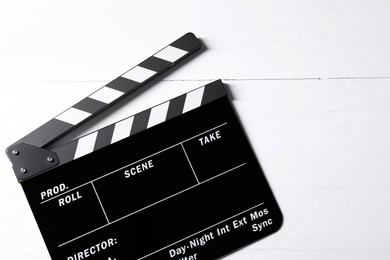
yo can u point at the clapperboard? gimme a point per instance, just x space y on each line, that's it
176 181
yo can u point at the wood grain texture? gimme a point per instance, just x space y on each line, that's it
309 80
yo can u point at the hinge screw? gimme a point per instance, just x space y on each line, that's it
50 159
15 152
23 170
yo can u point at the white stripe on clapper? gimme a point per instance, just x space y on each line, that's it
170 54
139 74
193 99
85 145
122 129
158 114
73 116
106 95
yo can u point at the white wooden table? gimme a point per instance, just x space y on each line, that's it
310 82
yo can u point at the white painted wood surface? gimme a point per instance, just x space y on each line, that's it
310 81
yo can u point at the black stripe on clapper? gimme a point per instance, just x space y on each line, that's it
42 135
140 122
122 84
89 105
176 107
104 137
213 92
155 64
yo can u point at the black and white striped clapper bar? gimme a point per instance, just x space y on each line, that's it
176 181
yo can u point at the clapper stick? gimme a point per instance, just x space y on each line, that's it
29 156
139 122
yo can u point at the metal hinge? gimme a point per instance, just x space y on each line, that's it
28 160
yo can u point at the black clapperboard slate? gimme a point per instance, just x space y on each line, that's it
176 181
